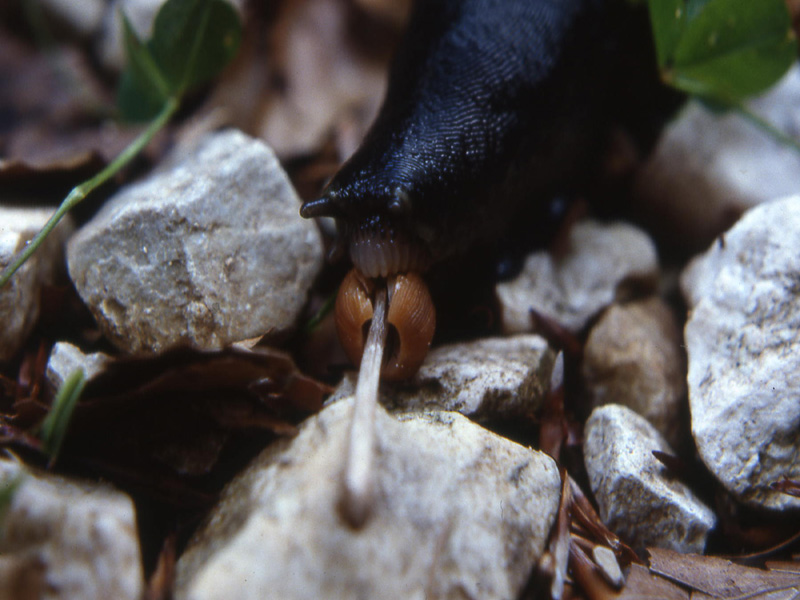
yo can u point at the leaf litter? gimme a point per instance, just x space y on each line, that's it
170 428
595 554
164 425
711 577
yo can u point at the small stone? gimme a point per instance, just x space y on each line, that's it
19 299
73 539
84 17
633 357
609 567
459 512
207 251
483 379
602 263
744 353
638 498
708 167
66 358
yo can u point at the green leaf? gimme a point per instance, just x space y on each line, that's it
54 427
193 40
723 50
143 90
668 20
731 77
694 7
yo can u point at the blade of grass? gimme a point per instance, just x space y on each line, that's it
54 427
80 192
320 315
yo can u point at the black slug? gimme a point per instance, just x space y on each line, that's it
491 104
493 108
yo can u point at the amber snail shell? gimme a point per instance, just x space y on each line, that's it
411 316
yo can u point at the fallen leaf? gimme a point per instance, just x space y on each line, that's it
159 587
784 566
720 578
555 334
586 518
555 562
172 426
394 11
643 585
787 486
588 575
553 428
330 83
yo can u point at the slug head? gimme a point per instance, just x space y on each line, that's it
381 235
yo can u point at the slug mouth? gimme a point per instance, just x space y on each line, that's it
380 251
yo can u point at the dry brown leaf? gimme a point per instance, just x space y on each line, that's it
643 585
331 85
25 179
57 128
172 426
159 587
720 578
394 11
589 576
767 552
59 86
554 426
794 11
787 486
555 562
586 518
557 335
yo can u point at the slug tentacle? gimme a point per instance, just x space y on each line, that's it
321 207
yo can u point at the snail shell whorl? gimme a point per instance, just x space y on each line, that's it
411 314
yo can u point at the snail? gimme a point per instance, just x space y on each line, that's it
492 107
411 318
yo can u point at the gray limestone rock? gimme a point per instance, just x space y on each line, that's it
743 344
207 251
67 539
633 357
83 17
487 378
460 512
66 358
638 499
708 167
19 299
600 264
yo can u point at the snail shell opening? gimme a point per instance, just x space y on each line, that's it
411 318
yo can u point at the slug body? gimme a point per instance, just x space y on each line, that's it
491 105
